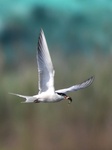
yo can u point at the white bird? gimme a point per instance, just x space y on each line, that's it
46 73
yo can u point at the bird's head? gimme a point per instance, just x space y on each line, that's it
64 96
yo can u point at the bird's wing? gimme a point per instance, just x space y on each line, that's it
77 87
45 66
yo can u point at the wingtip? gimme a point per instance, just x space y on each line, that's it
41 30
41 33
40 38
92 78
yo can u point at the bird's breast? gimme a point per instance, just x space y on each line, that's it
48 97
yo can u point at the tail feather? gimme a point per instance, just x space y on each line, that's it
29 99
23 96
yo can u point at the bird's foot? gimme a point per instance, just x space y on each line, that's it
36 101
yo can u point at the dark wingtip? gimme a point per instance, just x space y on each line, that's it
92 78
39 39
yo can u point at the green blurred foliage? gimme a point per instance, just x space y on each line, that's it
84 124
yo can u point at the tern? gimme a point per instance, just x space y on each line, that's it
47 92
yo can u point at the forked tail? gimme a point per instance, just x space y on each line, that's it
29 99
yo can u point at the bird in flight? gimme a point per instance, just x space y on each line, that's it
47 92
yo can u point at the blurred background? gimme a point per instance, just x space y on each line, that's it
79 36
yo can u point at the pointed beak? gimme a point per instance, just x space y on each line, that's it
69 98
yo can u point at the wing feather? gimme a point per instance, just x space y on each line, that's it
78 86
45 66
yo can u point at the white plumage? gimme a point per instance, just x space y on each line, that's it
46 73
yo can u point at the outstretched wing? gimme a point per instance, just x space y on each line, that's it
77 87
45 66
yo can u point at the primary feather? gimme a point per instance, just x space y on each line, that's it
78 86
45 66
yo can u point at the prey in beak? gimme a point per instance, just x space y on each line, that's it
69 99
65 97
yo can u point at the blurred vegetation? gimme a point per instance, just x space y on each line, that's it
84 124
79 35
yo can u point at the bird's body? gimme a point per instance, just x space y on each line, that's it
46 73
43 97
48 97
